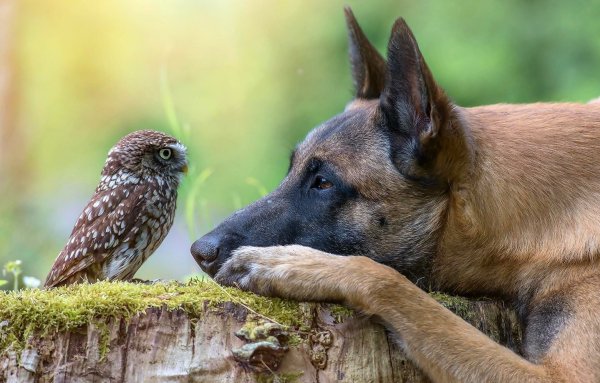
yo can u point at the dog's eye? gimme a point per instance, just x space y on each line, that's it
321 183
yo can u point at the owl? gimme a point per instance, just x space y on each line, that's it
130 213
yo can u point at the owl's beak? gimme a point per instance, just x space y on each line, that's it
184 169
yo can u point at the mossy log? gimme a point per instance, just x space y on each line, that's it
200 332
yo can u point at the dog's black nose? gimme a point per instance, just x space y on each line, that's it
214 248
206 249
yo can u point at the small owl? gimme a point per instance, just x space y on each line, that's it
130 213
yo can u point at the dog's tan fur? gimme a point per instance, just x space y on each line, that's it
518 219
531 197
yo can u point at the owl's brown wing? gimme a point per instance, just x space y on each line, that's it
102 226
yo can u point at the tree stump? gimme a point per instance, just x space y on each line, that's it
201 332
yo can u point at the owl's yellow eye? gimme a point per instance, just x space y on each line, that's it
165 154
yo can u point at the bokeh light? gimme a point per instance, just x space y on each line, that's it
240 82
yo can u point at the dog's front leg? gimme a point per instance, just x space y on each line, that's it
443 345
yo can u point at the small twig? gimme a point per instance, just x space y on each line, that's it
239 301
275 377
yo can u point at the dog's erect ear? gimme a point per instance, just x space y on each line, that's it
368 67
416 109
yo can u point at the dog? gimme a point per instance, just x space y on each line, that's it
405 190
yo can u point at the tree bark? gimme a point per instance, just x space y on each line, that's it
166 346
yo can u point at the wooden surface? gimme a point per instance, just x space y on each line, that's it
163 346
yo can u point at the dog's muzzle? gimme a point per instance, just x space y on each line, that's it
206 252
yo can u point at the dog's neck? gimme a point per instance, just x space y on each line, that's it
521 203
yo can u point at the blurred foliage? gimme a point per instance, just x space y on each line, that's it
241 82
14 268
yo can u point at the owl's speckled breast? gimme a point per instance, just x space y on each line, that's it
153 224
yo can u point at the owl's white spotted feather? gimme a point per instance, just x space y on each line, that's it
129 215
98 231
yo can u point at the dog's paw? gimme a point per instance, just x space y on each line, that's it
242 268
257 269
284 271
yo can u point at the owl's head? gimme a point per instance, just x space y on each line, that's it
147 153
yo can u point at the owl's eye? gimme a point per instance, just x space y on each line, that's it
165 153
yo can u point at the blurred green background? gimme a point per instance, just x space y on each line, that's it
245 80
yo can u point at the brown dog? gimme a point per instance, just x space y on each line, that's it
408 189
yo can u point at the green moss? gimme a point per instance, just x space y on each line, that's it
104 341
278 378
66 308
458 305
340 313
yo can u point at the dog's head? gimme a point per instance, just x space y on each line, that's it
372 180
